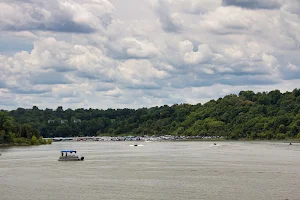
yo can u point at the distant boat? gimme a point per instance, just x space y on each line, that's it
59 139
67 155
136 145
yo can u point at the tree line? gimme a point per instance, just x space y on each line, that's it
262 115
18 134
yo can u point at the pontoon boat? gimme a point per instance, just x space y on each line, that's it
70 155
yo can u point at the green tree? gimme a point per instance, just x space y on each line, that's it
34 140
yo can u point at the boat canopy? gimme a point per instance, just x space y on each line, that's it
68 151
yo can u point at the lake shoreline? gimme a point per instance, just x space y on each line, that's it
239 140
18 145
185 140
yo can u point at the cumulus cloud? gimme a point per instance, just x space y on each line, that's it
93 53
59 16
201 56
140 73
64 91
51 55
292 6
170 22
129 47
116 92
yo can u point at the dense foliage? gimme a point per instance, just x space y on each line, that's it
266 115
16 134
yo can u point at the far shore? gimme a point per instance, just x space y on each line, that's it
180 140
238 140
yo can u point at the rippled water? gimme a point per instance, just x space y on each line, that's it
154 170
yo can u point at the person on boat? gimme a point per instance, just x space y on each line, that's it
290 143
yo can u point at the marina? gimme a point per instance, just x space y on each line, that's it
134 138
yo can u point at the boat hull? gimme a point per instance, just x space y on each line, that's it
70 158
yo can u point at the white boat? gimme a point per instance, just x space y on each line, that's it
70 155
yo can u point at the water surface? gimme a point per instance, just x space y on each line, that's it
154 170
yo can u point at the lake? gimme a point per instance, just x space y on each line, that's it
156 170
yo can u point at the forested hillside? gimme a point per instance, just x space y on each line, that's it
267 115
13 133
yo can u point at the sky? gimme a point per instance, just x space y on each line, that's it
144 53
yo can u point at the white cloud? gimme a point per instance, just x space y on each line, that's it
94 53
113 93
62 16
138 49
203 55
64 91
140 73
170 22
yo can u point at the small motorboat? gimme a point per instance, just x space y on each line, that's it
70 155
136 145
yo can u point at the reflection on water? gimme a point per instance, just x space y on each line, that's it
156 170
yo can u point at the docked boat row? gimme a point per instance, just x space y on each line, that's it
133 138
